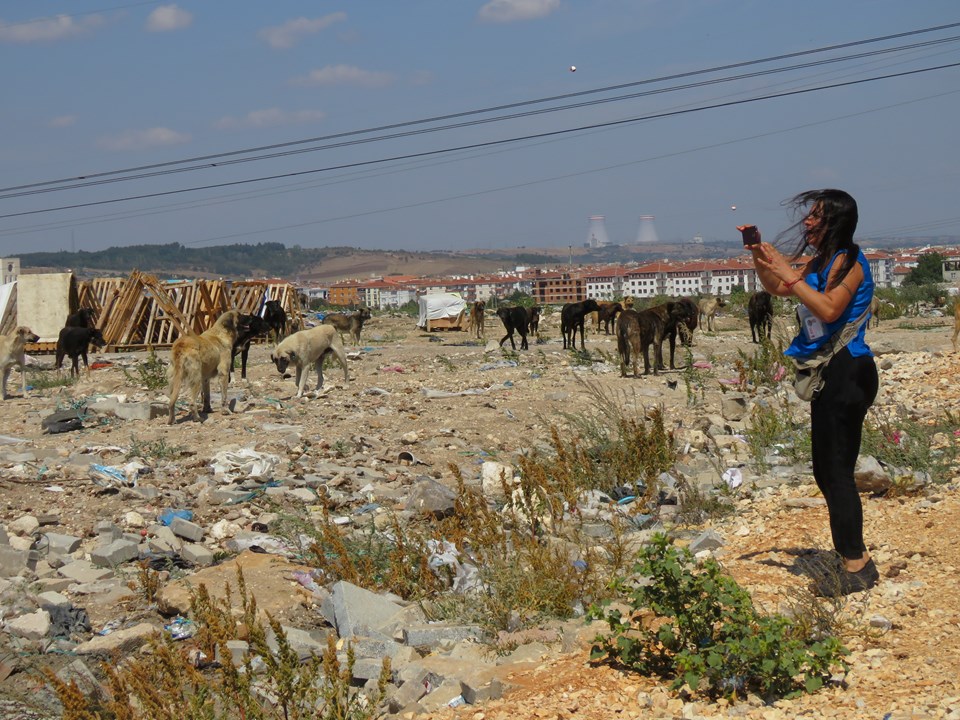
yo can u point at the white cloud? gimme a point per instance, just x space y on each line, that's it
343 75
168 17
292 32
142 139
62 121
48 29
271 117
505 11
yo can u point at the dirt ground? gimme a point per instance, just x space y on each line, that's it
441 398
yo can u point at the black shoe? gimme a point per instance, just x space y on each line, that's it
845 582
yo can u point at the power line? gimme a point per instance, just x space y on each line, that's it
490 143
471 123
467 113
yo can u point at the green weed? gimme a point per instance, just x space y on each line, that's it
699 628
150 373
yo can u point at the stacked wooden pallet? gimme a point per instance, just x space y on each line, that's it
142 312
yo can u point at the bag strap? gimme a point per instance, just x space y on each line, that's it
835 344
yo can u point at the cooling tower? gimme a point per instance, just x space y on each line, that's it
597 232
647 232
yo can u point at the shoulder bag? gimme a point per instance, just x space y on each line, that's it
809 379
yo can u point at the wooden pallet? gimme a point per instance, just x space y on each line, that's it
142 312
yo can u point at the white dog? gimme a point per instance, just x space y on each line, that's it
306 348
11 353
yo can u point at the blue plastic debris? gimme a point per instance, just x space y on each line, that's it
180 628
167 516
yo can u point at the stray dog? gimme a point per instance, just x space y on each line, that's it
308 348
196 359
75 342
11 353
352 323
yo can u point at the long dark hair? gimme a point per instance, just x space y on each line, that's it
838 213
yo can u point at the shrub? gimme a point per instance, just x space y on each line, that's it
151 373
908 444
169 684
701 630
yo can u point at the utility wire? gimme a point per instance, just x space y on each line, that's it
491 143
470 123
467 113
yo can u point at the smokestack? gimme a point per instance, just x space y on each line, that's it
647 232
597 232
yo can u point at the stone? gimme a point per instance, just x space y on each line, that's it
707 540
197 554
32 626
81 571
186 529
493 476
13 561
23 526
115 553
58 544
267 579
429 497
870 475
355 609
734 407
125 640
433 634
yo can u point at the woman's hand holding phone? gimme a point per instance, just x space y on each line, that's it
750 234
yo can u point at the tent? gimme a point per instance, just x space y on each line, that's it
442 311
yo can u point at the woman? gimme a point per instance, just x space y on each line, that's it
835 288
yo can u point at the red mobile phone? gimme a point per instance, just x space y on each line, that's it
750 234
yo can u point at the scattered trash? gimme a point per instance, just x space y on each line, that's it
100 364
53 488
109 476
580 565
168 516
457 702
408 458
733 477
246 462
63 421
703 365
499 364
431 393
181 628
392 368
10 440
110 627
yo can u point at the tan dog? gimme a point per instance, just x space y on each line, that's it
11 353
308 348
196 359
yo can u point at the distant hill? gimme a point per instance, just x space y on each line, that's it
319 266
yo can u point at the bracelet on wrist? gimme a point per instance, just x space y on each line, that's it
789 285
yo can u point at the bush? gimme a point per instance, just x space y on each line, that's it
700 629
170 684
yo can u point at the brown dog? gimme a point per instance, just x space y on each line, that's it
956 323
11 353
351 324
196 359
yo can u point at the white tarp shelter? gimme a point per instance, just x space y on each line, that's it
8 307
44 301
442 311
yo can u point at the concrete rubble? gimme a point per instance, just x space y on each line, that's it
198 506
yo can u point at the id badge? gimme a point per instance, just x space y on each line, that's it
813 326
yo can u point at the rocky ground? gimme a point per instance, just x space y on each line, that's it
79 506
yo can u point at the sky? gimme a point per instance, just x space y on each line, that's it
469 124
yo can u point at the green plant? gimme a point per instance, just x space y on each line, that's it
778 427
699 628
765 367
697 506
448 364
910 445
167 684
151 373
158 449
149 582
45 379
695 380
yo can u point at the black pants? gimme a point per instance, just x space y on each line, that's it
836 427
